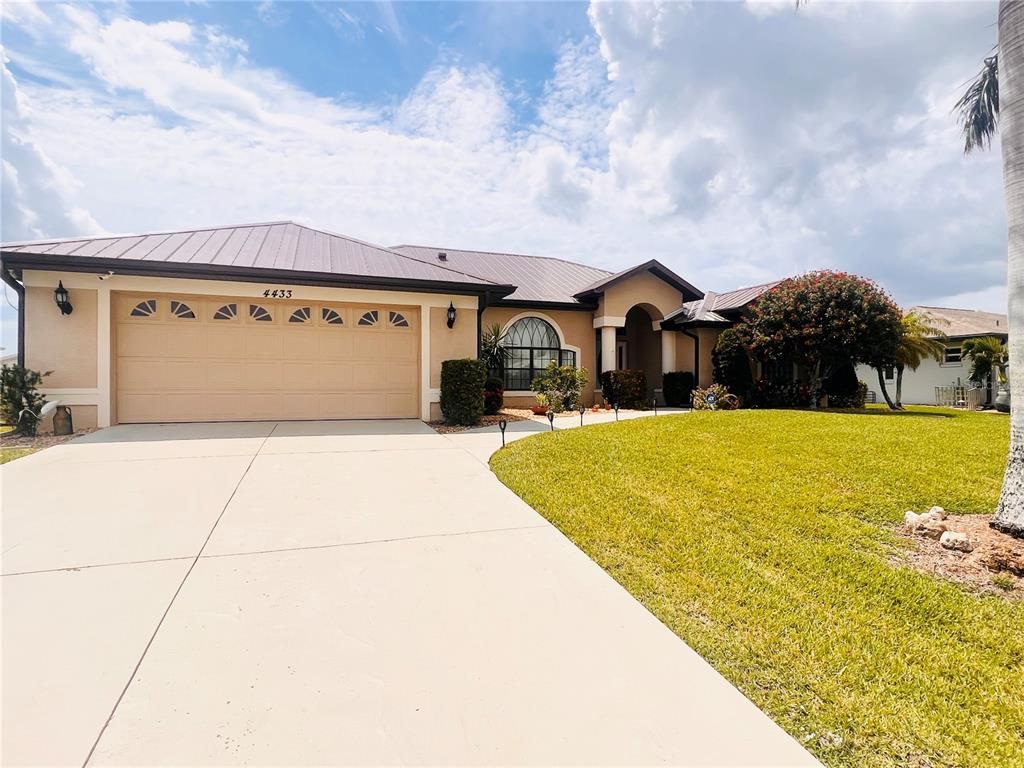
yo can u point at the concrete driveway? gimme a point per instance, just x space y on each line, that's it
328 593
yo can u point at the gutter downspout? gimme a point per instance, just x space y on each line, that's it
19 289
481 305
696 356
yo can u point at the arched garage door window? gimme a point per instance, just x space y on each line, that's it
533 343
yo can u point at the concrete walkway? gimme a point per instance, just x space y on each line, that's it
329 593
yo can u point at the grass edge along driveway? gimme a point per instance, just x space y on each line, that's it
764 539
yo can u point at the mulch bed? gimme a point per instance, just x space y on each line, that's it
509 414
486 421
38 442
995 566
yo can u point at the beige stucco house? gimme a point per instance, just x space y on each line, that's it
282 321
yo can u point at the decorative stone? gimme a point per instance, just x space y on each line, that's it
938 512
933 529
956 540
911 520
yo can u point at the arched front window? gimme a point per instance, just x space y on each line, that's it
533 343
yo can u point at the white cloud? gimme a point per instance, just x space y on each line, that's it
35 190
467 108
735 147
25 14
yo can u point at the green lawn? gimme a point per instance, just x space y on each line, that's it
10 454
764 538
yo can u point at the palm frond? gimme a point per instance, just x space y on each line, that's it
921 338
978 108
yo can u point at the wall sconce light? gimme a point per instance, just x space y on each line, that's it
451 314
60 297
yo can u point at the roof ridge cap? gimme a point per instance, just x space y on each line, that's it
506 253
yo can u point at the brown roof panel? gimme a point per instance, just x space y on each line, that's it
283 245
537 278
739 298
962 323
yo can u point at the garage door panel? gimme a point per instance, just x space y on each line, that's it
368 345
399 404
223 340
368 375
259 343
139 340
301 406
136 373
299 376
224 365
300 344
263 375
186 341
334 376
401 346
184 374
335 344
136 407
225 374
367 405
400 375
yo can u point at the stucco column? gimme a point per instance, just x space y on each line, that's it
607 348
668 351
103 357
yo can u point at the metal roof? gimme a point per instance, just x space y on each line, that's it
282 246
740 297
537 278
654 267
707 311
964 323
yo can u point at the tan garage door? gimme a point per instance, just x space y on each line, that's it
188 358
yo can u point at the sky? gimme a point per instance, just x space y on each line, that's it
735 142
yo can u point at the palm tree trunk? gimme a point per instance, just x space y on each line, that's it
885 392
1009 516
899 387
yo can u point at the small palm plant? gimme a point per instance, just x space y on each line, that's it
987 355
493 351
920 339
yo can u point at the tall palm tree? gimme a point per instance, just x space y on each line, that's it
920 339
996 98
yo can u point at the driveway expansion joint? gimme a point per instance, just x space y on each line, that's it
174 597
379 541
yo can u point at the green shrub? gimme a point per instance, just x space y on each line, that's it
844 390
494 395
714 398
731 362
20 399
626 387
676 387
462 391
562 386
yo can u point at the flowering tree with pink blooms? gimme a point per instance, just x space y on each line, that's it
823 320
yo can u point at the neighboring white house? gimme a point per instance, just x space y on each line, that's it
959 324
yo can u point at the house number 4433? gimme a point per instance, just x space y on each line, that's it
278 293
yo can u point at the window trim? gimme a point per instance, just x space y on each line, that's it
958 363
565 347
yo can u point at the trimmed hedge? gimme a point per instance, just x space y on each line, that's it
627 387
462 391
494 395
676 387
